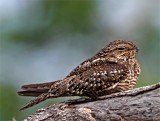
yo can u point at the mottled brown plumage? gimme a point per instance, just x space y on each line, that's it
113 69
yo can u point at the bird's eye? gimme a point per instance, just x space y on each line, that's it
121 48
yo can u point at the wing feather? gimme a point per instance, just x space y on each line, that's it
99 79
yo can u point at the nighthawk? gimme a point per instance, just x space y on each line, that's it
112 69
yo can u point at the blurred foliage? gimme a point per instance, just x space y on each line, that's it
69 16
52 18
150 65
9 103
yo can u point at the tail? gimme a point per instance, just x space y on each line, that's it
37 100
35 90
40 91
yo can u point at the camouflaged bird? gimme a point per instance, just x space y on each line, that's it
113 69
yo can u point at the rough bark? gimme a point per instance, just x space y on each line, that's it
139 104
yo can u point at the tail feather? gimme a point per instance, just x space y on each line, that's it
37 100
35 89
40 86
30 93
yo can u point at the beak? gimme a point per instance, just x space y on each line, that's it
137 49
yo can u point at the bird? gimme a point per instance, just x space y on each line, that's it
113 69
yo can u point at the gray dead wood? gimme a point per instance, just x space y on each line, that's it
139 104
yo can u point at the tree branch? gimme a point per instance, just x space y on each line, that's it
139 104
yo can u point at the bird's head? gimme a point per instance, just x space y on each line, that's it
120 50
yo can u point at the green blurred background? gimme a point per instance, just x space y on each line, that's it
43 40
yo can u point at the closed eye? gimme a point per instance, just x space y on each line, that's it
121 48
